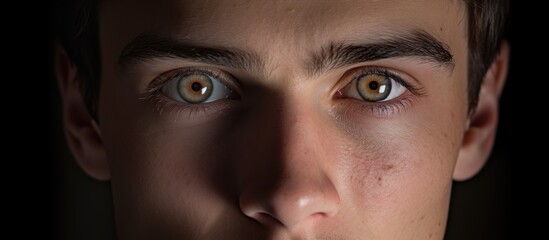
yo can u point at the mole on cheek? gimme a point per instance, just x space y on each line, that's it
385 169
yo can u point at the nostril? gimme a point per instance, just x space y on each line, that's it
286 211
260 214
293 201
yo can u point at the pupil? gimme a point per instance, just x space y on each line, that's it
373 85
196 86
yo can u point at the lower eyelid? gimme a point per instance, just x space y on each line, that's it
388 110
167 107
379 110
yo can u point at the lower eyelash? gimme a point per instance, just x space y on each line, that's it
379 110
165 106
387 110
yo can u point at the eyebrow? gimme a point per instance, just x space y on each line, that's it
149 47
416 43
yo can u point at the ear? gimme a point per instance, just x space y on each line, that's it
81 131
482 124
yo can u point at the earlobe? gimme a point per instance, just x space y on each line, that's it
482 124
81 132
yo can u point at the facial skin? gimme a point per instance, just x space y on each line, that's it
293 152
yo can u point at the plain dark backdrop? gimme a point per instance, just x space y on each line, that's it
492 205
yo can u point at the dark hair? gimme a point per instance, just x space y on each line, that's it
486 32
75 26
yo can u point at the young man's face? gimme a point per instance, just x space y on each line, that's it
282 119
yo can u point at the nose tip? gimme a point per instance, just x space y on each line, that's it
290 208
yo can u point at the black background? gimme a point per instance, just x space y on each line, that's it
496 204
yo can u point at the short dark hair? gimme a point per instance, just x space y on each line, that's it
75 26
487 28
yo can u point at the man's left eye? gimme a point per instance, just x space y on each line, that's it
373 87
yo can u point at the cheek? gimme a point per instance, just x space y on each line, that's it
165 172
390 160
398 172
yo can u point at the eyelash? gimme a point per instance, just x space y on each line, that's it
381 109
165 105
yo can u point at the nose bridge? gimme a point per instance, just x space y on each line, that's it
301 155
302 188
299 131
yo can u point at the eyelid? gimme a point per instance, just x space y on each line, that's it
382 109
400 78
225 78
166 106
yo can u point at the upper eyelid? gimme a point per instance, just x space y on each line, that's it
414 88
225 78
379 71
232 83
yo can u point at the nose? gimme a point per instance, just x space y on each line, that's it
294 201
302 190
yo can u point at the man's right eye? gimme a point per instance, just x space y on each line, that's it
197 86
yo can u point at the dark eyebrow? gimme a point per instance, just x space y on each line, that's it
148 47
415 44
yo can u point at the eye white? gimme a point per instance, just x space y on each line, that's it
219 90
397 89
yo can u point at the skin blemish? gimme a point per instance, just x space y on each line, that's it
387 167
290 10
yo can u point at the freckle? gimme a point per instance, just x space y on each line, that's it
387 167
379 179
430 235
422 217
441 29
439 224
290 10
412 221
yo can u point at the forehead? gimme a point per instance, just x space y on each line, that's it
305 23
